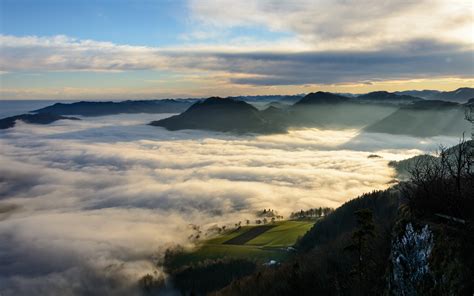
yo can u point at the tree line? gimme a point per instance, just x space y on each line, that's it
311 213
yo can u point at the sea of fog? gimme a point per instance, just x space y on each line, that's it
87 207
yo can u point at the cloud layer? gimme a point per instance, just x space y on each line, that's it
87 206
356 24
420 58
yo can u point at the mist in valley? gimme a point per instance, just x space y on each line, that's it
88 207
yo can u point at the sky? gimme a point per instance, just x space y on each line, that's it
105 49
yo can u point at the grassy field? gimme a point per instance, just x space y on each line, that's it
269 245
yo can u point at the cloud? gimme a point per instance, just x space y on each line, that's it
256 44
355 24
87 207
416 59
404 61
63 53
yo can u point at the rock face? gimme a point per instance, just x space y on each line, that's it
40 118
410 261
225 115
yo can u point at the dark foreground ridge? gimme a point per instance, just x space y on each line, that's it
40 118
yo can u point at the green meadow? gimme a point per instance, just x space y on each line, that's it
269 245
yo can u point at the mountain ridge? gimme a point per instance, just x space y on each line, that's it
40 118
224 115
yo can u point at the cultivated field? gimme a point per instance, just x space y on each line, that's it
258 242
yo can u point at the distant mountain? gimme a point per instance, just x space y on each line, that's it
460 95
109 108
225 115
314 110
278 105
270 98
425 94
263 102
40 118
349 95
387 97
433 104
321 97
277 116
328 110
424 119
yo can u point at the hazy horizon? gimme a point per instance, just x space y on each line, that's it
236 95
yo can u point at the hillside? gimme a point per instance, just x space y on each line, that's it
321 98
324 266
424 119
225 115
387 97
41 118
240 251
109 108
412 239
329 110
376 112
459 95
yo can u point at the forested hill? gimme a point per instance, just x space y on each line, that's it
89 108
220 114
424 119
41 118
415 238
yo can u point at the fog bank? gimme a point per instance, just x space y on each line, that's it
87 207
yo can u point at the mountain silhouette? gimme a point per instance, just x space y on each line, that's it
40 118
218 114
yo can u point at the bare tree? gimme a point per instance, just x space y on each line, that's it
444 183
469 116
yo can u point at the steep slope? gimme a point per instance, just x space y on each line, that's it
415 238
217 114
41 118
324 265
